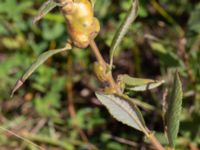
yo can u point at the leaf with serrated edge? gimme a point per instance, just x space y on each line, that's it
40 60
122 110
131 16
174 110
139 84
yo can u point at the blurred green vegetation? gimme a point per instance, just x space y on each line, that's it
164 37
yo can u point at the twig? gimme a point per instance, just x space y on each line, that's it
22 138
113 84
39 125
70 101
124 141
155 142
101 61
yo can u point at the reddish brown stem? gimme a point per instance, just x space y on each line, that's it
155 142
101 61
70 100
113 84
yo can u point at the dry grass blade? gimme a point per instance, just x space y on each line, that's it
22 138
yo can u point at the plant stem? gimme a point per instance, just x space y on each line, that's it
154 141
113 84
102 62
70 101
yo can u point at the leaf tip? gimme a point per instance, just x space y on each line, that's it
18 84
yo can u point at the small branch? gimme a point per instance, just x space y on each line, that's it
154 141
113 84
102 62
124 141
70 101
97 53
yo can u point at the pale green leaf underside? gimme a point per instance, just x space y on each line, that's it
40 60
139 84
131 16
174 110
122 110
44 9
147 86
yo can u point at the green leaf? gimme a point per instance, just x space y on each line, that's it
122 110
194 22
44 9
174 110
167 57
93 2
40 60
131 16
139 84
139 103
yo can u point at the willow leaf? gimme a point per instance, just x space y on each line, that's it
148 86
40 60
174 110
131 16
122 110
139 84
44 9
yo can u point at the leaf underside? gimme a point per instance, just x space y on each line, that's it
122 110
139 84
